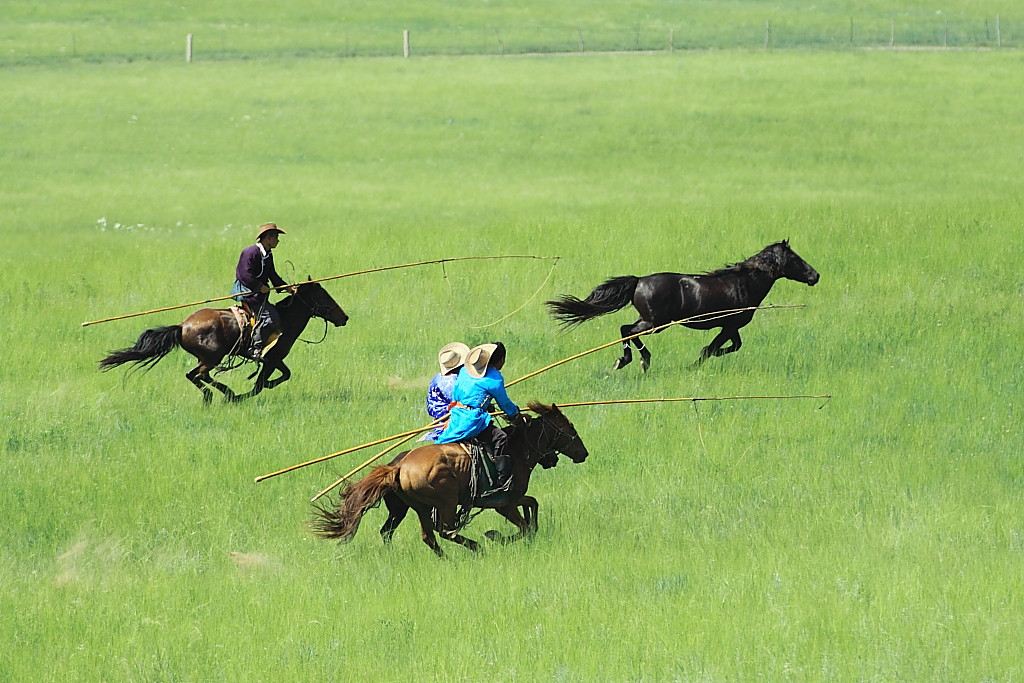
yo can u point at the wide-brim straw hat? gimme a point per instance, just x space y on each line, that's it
452 356
478 359
269 227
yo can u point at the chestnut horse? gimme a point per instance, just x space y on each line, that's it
211 334
437 477
663 297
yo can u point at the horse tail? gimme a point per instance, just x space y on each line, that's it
614 294
148 350
343 522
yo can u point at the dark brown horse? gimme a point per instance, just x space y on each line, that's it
438 477
664 297
211 334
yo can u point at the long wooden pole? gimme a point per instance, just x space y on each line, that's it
322 279
703 316
694 399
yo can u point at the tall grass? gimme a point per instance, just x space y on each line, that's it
877 537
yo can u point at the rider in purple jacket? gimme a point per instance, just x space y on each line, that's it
255 269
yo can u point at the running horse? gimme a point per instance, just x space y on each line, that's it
699 300
438 476
211 334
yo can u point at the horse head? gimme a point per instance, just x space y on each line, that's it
316 298
559 434
793 267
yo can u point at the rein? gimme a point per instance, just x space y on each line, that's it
315 309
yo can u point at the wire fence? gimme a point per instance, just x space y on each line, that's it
233 42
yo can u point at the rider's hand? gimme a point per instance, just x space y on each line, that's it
265 289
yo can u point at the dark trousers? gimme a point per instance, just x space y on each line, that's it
498 440
267 321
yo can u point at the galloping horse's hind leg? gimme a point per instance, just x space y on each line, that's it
645 355
445 518
397 509
194 375
427 530
627 352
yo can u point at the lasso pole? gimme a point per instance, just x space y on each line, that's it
322 279
704 316
694 399
379 455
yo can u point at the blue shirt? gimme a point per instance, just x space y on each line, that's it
476 394
439 396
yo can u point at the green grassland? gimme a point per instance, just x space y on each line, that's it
876 537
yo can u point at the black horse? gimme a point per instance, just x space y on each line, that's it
664 297
211 334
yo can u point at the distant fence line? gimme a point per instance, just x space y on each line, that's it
696 32
985 33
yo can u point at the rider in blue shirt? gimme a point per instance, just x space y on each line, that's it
479 382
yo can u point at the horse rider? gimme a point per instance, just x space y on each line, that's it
254 270
439 394
478 382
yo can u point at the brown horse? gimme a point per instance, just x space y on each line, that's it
438 477
211 334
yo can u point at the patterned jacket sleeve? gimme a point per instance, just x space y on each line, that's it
437 402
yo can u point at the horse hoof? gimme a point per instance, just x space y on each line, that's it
644 364
493 535
619 364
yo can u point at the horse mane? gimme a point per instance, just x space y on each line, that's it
542 409
768 260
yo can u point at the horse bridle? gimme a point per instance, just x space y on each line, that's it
555 447
316 308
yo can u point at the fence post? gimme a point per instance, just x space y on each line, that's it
999 35
851 30
188 49
892 32
579 32
405 43
671 40
945 34
767 33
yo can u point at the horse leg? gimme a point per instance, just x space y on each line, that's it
285 375
715 347
445 517
627 352
193 376
427 530
530 509
397 509
512 514
645 355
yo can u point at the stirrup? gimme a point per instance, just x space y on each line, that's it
270 344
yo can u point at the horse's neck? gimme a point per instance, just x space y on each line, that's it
294 318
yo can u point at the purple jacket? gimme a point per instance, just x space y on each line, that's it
254 270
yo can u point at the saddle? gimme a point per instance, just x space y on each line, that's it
483 486
246 321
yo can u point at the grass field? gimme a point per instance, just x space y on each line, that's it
878 537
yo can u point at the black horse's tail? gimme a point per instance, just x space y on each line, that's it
148 350
614 294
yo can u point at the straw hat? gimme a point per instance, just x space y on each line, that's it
269 227
452 356
478 358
